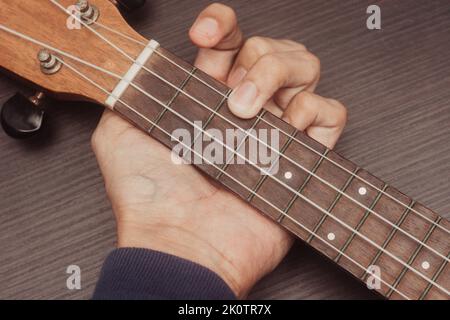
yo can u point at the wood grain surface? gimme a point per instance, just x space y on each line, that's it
395 83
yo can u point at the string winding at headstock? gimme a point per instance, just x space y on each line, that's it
36 35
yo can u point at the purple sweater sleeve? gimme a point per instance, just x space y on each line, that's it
135 273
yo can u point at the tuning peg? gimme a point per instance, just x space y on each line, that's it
22 117
128 5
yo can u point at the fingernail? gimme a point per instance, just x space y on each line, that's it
206 27
243 98
237 77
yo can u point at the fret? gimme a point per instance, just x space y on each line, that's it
343 193
321 192
412 258
435 277
302 187
240 144
171 101
391 235
152 81
402 246
206 90
161 66
286 175
223 121
346 214
333 204
157 88
216 110
426 262
363 219
210 95
263 178
190 108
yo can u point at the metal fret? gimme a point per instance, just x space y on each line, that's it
412 258
333 204
227 162
435 277
211 116
390 236
169 67
361 222
263 178
169 104
300 189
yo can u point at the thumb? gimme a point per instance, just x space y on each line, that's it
217 34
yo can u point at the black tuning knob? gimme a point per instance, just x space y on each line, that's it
22 117
129 5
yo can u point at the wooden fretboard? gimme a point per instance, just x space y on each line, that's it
380 226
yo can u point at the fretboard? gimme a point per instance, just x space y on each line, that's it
343 211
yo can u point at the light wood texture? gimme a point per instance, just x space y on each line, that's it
55 245
47 23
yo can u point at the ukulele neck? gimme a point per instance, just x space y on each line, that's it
397 246
370 229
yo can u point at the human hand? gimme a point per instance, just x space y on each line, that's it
173 208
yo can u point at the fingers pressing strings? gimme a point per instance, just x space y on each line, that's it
400 261
323 119
291 72
412 237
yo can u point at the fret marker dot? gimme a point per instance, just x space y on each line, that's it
362 191
331 236
425 265
288 175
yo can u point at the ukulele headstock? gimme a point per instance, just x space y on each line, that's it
44 43
36 35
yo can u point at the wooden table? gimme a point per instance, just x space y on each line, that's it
395 83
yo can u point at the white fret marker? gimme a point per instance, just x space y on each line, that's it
331 236
362 191
288 175
426 265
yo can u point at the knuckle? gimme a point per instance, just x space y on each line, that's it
301 46
314 65
273 65
310 65
341 111
304 100
259 45
297 45
271 61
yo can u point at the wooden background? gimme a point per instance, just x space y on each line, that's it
395 83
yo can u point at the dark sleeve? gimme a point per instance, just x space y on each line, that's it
134 273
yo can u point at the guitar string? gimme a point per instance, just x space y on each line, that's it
308 200
294 191
248 133
288 135
366 270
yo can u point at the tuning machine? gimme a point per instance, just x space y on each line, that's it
22 117
89 13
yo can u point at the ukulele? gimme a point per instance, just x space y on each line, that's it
86 51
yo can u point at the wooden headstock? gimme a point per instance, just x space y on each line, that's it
46 23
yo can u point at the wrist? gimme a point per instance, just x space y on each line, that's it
187 245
